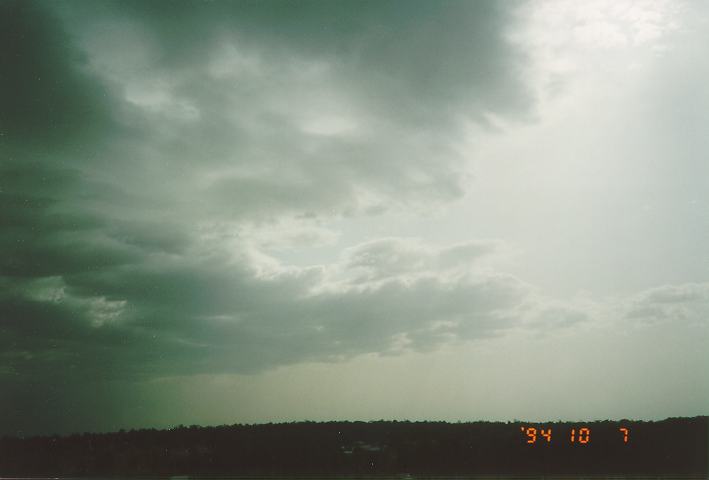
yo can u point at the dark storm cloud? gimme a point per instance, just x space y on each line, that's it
211 315
241 90
438 53
44 95
139 138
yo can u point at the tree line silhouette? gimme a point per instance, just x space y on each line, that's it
669 447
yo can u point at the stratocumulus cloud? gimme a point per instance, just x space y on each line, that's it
130 176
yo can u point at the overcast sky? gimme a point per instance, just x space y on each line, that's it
271 211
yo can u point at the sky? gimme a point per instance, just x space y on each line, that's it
245 212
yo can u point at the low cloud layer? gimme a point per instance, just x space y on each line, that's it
216 313
142 152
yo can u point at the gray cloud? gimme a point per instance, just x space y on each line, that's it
391 257
133 137
440 54
142 150
207 314
685 305
44 94
269 109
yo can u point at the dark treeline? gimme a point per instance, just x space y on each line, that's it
672 446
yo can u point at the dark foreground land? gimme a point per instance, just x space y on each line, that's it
676 446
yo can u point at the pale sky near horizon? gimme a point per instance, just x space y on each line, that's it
237 212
